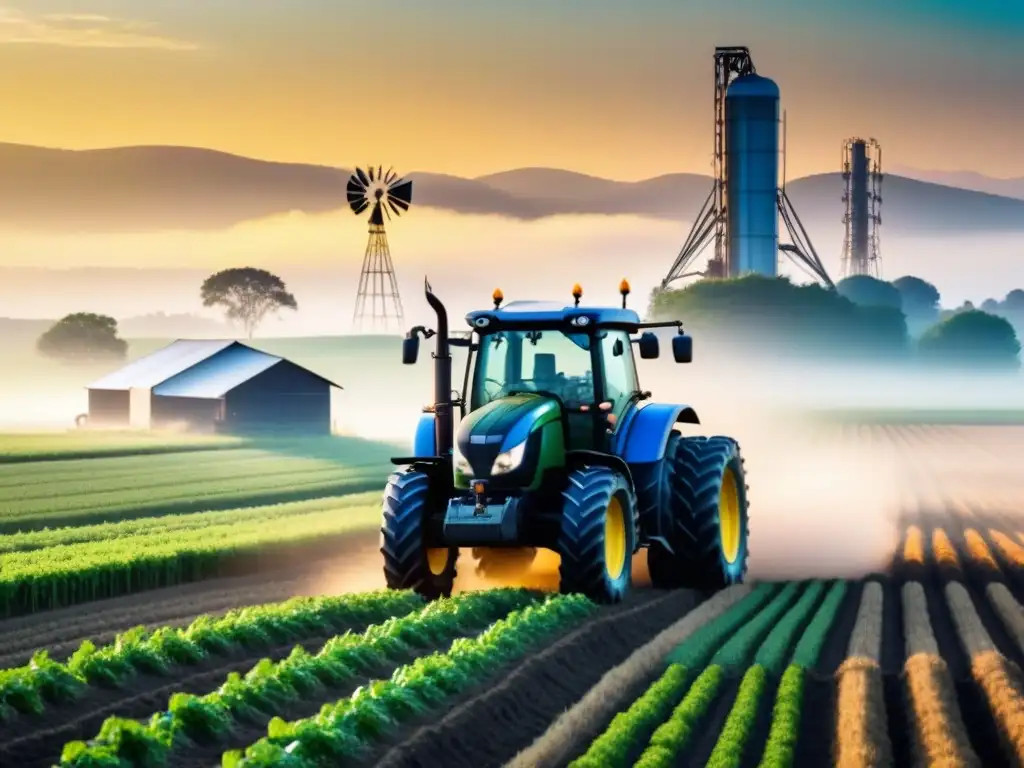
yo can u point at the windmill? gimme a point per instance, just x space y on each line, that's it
377 300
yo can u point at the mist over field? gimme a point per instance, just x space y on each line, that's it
465 256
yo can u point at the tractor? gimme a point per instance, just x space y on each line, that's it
556 448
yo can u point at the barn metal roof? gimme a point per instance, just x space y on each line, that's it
158 367
217 375
197 369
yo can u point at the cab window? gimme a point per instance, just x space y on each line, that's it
620 379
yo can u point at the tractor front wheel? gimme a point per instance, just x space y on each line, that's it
408 562
598 534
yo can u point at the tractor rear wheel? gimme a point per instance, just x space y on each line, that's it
408 562
710 518
598 534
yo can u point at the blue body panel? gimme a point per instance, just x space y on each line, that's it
530 314
423 442
645 436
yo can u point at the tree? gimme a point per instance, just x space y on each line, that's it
247 294
83 336
868 291
1014 301
919 301
991 306
772 315
974 339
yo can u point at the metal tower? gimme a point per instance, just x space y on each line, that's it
732 64
378 303
862 196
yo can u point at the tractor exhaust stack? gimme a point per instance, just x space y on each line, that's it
444 423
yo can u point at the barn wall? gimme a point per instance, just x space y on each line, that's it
194 414
284 399
109 408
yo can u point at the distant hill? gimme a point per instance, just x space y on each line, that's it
158 188
978 182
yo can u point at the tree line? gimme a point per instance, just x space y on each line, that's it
865 318
246 295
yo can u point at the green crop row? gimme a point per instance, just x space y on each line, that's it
735 734
697 650
613 747
86 444
202 497
107 468
780 749
348 727
78 573
147 527
627 729
775 650
813 640
43 681
78 492
269 684
735 654
675 734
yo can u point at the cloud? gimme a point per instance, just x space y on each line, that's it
83 30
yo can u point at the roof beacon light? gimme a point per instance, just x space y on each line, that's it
624 290
498 297
577 294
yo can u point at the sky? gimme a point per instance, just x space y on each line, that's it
468 87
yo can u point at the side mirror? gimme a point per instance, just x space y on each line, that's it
649 346
617 348
410 349
682 348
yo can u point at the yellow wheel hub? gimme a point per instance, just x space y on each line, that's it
729 521
437 560
615 538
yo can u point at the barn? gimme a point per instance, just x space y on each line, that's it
213 386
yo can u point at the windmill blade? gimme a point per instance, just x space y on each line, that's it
390 176
356 194
386 211
362 177
397 203
360 206
392 206
402 194
371 174
380 173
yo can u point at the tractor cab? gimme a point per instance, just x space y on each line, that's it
548 446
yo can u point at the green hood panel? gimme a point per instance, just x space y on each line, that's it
513 417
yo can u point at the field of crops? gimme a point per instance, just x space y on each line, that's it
917 665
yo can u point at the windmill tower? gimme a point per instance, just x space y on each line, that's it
378 304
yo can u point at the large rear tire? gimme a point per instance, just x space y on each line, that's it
408 562
598 534
709 508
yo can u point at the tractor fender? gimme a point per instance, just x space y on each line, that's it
423 440
646 433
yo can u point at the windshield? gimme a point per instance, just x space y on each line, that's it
534 361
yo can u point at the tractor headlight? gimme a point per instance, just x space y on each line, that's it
459 462
509 460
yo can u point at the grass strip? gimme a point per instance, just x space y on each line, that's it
675 734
